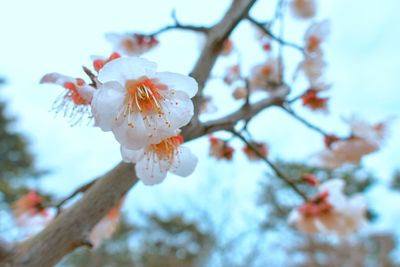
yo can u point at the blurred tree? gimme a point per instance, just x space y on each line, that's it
395 182
174 241
16 161
370 249
170 242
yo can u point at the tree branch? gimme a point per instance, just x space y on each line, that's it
215 40
228 122
81 189
277 171
72 227
262 27
304 121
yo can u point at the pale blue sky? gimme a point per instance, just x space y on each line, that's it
46 36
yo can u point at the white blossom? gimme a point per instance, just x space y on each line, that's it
131 44
139 105
154 161
331 211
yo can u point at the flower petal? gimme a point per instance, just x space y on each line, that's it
86 92
107 102
126 68
151 170
178 82
130 155
178 109
56 78
185 162
135 137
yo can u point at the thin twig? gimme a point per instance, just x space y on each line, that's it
247 86
277 171
81 189
179 26
294 99
281 33
273 37
91 75
304 121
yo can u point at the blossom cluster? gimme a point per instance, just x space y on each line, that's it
330 211
144 109
313 66
364 139
221 149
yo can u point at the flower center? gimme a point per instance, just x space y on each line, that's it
128 45
313 43
143 96
72 92
168 148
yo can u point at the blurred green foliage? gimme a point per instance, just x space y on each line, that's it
16 161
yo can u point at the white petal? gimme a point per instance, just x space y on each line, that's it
333 185
178 82
336 197
103 230
86 92
56 78
127 68
357 204
185 162
130 155
107 102
152 129
151 170
294 217
178 109
135 137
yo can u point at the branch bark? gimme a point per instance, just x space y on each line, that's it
72 227
215 40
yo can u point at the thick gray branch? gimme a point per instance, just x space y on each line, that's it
72 227
216 38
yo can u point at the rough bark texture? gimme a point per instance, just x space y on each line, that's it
71 228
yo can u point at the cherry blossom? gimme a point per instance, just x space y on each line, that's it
107 226
99 62
131 44
315 35
220 149
330 211
154 161
31 214
251 155
365 139
206 105
264 75
310 179
264 39
313 68
227 48
312 100
240 92
232 74
330 139
303 8
139 105
75 101
30 204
